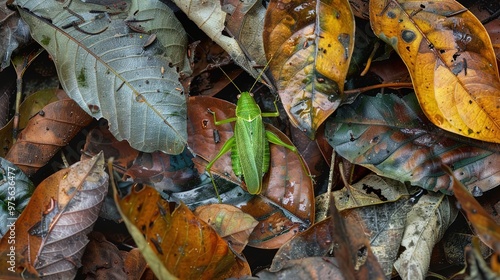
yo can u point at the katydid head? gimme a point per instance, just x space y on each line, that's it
255 82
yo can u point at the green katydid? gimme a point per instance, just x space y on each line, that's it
249 145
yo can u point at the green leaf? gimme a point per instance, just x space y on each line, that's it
116 73
15 193
392 137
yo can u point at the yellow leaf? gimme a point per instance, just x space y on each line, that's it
310 44
451 61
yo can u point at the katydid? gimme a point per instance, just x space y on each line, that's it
249 145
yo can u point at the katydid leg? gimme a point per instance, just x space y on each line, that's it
272 114
273 138
226 148
216 122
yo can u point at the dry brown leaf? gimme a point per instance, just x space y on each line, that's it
46 133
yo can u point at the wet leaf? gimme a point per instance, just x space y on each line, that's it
51 233
425 226
485 227
48 131
392 137
310 44
15 192
285 205
145 106
230 223
451 61
177 243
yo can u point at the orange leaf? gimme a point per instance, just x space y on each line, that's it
451 61
229 222
175 243
310 44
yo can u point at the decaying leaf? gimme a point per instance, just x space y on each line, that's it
177 243
370 190
384 225
476 265
170 173
14 33
315 242
425 225
51 233
48 131
451 61
306 268
485 227
309 45
392 137
116 68
103 260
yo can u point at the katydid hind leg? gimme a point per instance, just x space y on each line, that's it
273 138
226 148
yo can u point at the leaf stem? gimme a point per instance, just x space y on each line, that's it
386 85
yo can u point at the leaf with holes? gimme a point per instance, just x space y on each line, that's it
451 61
116 68
310 44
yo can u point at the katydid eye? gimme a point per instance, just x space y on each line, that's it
238 96
251 94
